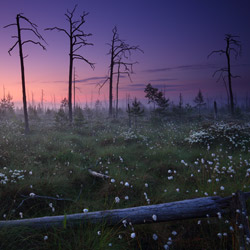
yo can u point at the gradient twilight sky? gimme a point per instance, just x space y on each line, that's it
176 37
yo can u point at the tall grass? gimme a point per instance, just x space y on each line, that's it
153 164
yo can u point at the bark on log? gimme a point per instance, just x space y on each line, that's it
240 220
98 175
186 209
243 213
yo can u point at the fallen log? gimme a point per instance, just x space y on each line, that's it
179 210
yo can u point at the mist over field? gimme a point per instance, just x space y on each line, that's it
124 125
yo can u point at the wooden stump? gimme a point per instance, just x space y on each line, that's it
240 221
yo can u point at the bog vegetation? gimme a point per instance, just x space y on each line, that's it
154 154
151 157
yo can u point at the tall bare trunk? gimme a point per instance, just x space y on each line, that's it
117 89
70 80
110 91
74 89
229 78
111 81
26 119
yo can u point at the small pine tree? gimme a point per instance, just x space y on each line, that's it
135 111
7 105
61 118
32 111
199 100
157 98
88 113
78 117
98 106
162 103
64 103
151 94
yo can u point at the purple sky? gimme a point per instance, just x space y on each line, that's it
176 37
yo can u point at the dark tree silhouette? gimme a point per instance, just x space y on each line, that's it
151 94
199 100
20 43
77 39
180 105
135 111
119 52
179 109
157 98
117 86
6 105
232 45
215 110
127 71
162 103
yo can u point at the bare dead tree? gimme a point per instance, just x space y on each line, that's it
33 28
117 87
77 39
232 45
119 53
128 71
74 89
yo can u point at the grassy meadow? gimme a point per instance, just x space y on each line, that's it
154 162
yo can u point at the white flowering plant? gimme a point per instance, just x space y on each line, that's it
234 134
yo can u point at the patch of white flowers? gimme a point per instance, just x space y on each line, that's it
235 134
11 176
198 137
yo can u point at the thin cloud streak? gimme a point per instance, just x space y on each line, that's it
183 67
141 86
85 80
164 80
241 65
96 78
92 79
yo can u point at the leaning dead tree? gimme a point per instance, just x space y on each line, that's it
77 40
232 46
33 28
119 53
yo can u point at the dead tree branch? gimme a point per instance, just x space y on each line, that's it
20 43
232 46
77 39
119 52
